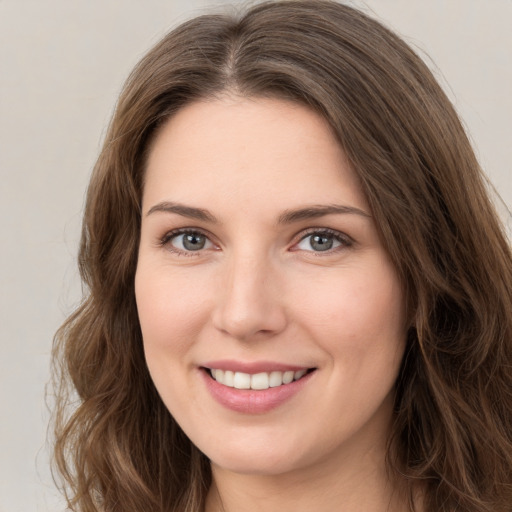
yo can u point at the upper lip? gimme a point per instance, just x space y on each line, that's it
253 367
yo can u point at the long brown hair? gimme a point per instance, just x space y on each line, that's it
117 447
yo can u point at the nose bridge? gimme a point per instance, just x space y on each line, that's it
249 301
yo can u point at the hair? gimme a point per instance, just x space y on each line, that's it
117 447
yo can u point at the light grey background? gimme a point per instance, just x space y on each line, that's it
62 64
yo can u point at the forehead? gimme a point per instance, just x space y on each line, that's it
253 149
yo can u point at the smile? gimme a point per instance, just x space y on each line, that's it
257 381
254 391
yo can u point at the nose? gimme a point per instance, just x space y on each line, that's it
250 304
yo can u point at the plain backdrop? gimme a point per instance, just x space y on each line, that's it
62 64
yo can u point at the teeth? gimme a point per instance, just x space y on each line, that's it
299 374
260 381
275 379
242 381
229 378
287 377
257 381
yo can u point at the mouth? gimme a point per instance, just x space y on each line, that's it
256 381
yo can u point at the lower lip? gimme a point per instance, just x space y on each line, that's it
249 401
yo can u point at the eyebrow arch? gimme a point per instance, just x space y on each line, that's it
287 217
185 211
316 211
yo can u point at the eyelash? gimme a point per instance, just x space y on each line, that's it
166 239
344 240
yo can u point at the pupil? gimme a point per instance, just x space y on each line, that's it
193 242
321 243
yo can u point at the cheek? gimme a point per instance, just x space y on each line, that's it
356 302
171 311
358 316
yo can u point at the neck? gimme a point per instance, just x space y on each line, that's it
355 486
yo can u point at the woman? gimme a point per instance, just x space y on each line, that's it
298 292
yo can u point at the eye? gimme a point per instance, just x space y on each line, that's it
187 241
322 241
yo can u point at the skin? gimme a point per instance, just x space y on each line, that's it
259 290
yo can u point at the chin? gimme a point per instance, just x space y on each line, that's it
261 466
262 458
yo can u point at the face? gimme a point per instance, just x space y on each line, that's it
272 317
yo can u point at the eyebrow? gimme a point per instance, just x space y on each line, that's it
287 217
316 211
183 210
